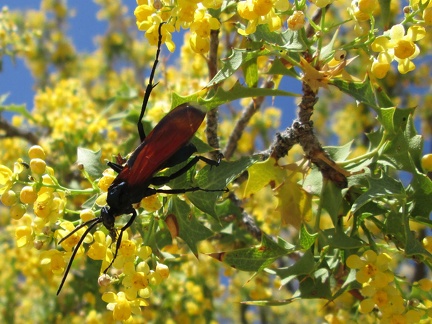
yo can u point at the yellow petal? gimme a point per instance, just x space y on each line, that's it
415 33
381 44
397 32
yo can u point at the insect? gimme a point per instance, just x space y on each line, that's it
168 144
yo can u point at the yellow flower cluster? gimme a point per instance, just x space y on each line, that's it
373 272
396 46
187 14
259 12
67 110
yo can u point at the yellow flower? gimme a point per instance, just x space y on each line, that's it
99 250
71 241
373 269
24 233
399 47
55 259
7 177
258 12
123 308
134 280
296 21
381 65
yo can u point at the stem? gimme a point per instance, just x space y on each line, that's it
366 155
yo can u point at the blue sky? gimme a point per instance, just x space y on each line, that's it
16 80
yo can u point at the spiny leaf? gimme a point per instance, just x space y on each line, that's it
188 227
216 178
294 204
262 174
91 161
252 259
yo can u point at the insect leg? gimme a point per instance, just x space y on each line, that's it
150 87
95 222
116 167
119 239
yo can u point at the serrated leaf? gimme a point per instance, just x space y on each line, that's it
263 173
278 67
221 96
250 72
91 161
216 178
238 92
331 199
305 238
231 65
394 119
337 239
253 259
420 193
317 286
339 153
303 266
294 204
385 12
378 187
361 91
292 41
189 228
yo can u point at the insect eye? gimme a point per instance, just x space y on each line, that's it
340 55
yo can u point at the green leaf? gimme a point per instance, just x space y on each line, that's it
315 286
253 259
303 266
339 153
306 239
232 64
361 91
91 161
420 193
189 228
336 238
250 72
331 198
216 178
238 91
394 119
385 13
379 187
278 67
289 40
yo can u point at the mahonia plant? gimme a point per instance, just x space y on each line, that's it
328 210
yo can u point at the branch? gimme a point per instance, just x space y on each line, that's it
12 131
241 124
302 132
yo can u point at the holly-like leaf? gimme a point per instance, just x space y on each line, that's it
361 91
221 96
252 259
378 187
216 178
91 161
420 193
262 174
289 40
238 91
304 266
237 58
294 204
394 119
185 225
305 238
